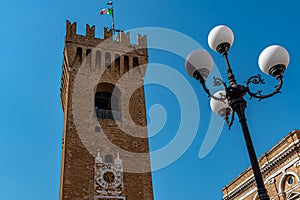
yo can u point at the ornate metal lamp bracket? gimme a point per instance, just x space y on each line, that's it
217 82
222 98
258 80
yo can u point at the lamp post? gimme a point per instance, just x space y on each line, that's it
273 61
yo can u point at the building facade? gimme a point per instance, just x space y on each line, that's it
105 151
280 167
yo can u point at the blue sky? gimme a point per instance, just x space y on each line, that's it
32 40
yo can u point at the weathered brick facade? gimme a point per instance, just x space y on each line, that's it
91 135
280 167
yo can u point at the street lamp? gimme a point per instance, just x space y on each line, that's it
273 61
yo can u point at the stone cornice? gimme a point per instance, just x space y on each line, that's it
277 160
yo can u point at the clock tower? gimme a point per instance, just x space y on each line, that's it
105 151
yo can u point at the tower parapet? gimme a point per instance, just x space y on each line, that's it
89 37
117 55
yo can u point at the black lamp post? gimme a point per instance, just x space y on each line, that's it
273 61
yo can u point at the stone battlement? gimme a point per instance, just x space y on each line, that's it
89 37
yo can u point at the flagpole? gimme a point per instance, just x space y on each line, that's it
113 19
110 11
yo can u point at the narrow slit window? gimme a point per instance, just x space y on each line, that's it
88 58
79 54
135 62
126 64
107 60
98 59
117 64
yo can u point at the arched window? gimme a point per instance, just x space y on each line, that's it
108 158
98 59
88 58
135 62
107 102
103 100
126 64
107 60
78 55
117 64
288 181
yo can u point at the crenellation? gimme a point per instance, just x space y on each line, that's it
76 48
90 39
142 40
68 28
71 29
90 31
74 29
123 37
108 34
126 38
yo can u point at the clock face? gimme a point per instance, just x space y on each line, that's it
109 177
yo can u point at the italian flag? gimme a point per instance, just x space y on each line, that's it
106 11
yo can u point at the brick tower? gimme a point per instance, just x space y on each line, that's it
105 151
